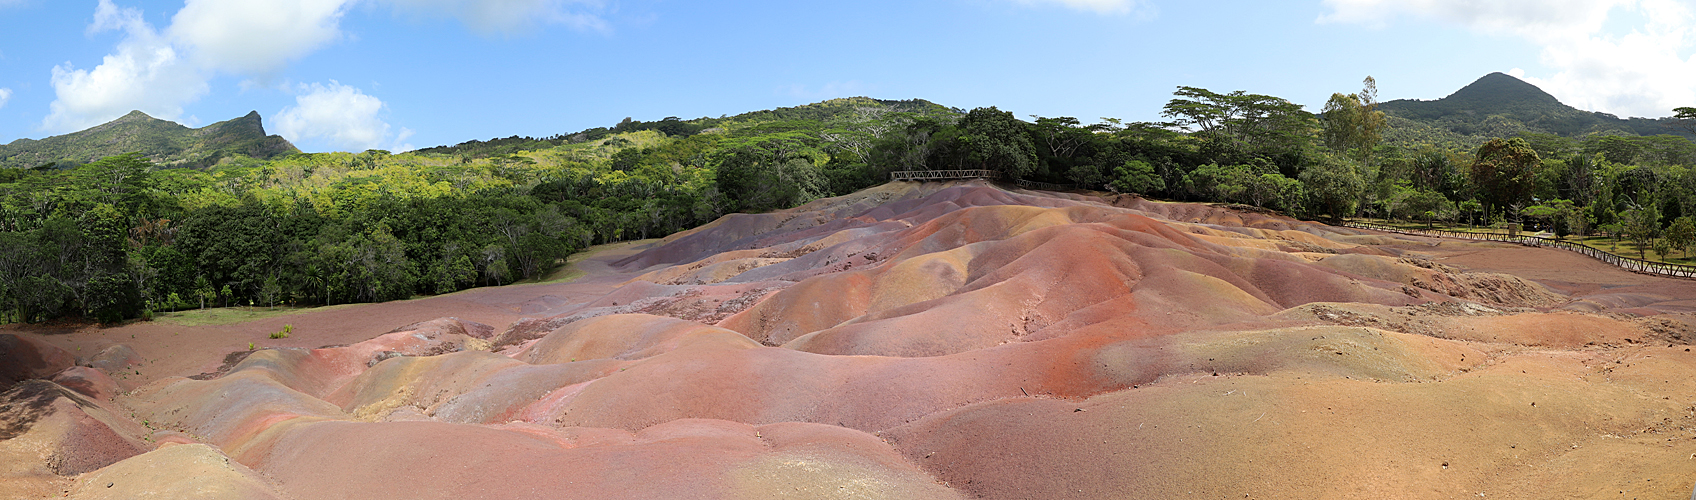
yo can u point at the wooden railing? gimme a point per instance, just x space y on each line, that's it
1626 263
942 175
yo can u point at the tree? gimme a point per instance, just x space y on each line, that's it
1504 172
1061 137
203 290
1641 225
1613 148
493 260
1273 190
1579 181
269 291
1352 122
1223 183
1427 204
1470 208
1137 176
771 172
1432 169
1684 118
20 258
1682 234
106 287
1237 126
1557 214
912 142
1333 187
120 181
388 273
996 140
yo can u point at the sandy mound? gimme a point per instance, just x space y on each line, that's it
915 341
186 471
24 358
48 429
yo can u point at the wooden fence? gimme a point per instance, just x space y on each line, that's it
1626 263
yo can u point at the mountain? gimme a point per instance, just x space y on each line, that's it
1499 105
165 142
830 111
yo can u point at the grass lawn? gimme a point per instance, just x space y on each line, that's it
231 315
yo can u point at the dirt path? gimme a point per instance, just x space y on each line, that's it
1570 273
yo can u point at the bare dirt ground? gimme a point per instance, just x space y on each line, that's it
909 341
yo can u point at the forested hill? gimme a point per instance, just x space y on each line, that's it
127 234
1499 105
830 111
163 142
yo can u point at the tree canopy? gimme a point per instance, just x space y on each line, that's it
123 234
1504 172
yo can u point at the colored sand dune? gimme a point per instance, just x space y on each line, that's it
942 340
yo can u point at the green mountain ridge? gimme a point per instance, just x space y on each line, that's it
1495 105
832 110
1500 105
164 142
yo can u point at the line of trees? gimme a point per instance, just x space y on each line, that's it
119 237
1262 150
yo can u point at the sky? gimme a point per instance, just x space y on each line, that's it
351 75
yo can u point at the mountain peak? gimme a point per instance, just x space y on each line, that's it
165 142
1501 105
1499 89
135 115
250 123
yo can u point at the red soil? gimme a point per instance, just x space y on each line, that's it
926 341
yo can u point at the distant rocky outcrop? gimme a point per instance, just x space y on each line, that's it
164 142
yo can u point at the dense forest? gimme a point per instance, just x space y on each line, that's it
123 236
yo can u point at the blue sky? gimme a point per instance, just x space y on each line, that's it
398 74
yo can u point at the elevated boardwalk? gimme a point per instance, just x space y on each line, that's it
1626 263
949 175
942 175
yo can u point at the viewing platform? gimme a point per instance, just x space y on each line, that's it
942 175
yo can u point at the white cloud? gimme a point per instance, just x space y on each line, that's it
341 116
1543 18
1643 70
1139 8
160 71
509 16
256 36
5 95
401 146
146 73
